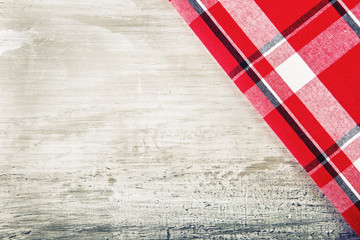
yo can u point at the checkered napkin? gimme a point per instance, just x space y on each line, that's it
298 63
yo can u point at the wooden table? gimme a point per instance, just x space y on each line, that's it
116 123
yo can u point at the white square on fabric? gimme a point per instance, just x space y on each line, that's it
295 72
357 164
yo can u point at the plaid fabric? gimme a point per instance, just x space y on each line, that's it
298 63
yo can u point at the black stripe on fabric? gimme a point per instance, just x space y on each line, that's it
352 24
269 45
314 163
331 170
347 190
338 179
349 135
333 148
341 10
304 18
338 8
300 133
254 77
196 6
282 111
223 39
264 89
357 205
284 33
268 94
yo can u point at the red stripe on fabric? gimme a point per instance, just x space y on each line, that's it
263 67
279 120
283 13
309 122
352 216
291 140
351 3
244 82
313 28
232 29
213 44
343 80
321 177
341 161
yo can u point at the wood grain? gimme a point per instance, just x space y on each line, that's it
116 123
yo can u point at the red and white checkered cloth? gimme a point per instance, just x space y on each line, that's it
298 63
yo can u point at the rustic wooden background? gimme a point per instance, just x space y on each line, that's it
116 123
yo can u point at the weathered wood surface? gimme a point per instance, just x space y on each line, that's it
116 123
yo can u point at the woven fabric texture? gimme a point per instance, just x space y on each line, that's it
298 63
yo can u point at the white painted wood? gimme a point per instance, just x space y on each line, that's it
116 123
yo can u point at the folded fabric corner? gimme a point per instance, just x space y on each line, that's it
298 63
